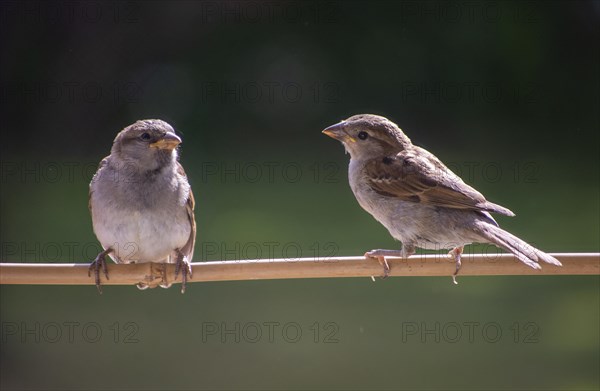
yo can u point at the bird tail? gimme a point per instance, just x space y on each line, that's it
495 208
524 252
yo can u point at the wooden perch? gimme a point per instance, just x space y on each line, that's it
417 265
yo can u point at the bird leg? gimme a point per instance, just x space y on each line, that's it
380 255
182 264
456 254
99 262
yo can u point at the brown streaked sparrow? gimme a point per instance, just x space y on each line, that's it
417 198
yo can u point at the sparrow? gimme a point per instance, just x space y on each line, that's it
420 201
141 203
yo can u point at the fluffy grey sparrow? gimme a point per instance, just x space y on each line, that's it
141 203
417 198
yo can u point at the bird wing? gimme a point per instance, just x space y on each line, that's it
188 248
415 175
102 164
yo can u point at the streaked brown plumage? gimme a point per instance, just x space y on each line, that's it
417 198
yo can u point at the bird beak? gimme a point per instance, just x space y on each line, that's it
169 141
337 132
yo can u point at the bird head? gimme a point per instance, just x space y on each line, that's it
148 144
368 135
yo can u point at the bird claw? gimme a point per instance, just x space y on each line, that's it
182 265
456 253
382 261
96 265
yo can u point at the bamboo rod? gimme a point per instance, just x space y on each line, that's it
417 265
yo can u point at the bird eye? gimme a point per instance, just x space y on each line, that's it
145 136
363 135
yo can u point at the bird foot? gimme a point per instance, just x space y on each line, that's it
380 256
456 253
96 265
183 265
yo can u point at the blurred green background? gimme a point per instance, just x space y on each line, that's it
506 93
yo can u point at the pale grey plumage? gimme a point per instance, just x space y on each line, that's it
140 199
